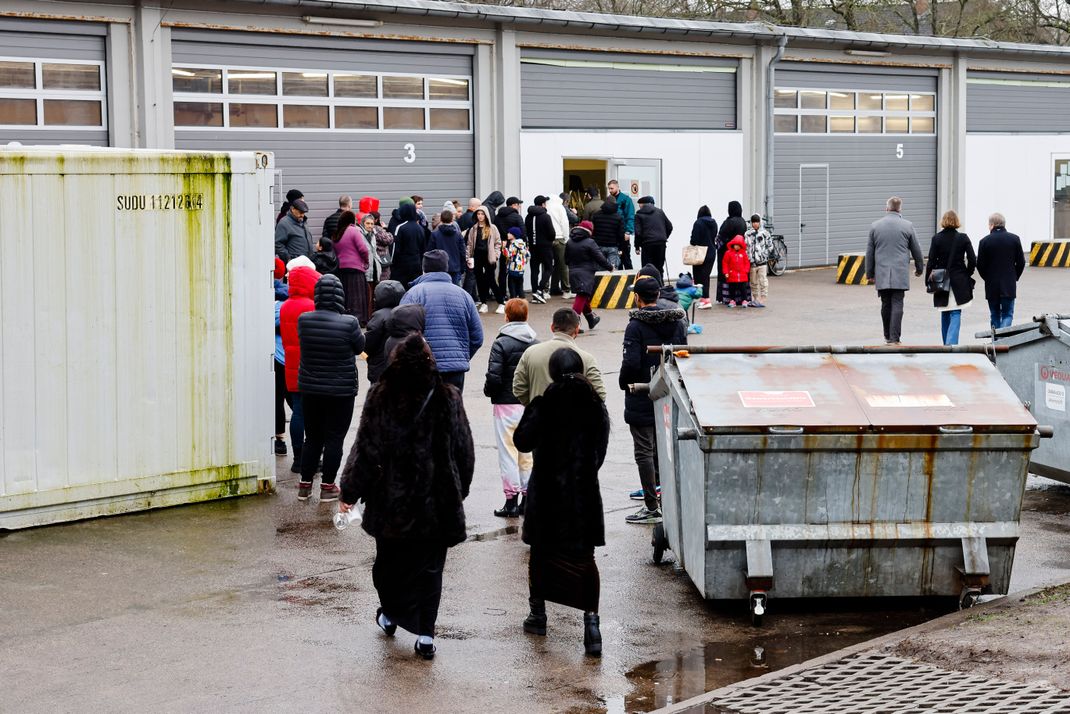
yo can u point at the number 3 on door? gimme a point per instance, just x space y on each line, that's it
898 151
410 153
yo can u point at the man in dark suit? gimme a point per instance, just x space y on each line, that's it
1000 261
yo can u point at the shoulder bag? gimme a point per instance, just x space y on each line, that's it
695 254
940 278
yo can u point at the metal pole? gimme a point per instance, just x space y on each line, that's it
829 349
781 44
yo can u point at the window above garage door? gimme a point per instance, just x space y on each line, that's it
843 111
296 99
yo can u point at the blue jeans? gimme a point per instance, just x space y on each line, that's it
297 426
1002 311
458 279
949 326
612 255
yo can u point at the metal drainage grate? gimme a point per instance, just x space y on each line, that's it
878 683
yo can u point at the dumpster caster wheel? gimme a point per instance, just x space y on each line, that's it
969 598
659 542
757 608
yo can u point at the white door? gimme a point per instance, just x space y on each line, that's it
1060 198
638 178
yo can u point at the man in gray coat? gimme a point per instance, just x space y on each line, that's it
892 243
291 233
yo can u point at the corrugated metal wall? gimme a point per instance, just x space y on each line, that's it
1021 103
39 39
326 164
862 172
599 91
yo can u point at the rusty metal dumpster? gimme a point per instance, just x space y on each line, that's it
831 474
1037 366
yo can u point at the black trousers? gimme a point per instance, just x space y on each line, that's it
654 254
892 313
542 268
408 577
281 397
645 447
516 285
487 279
626 257
454 378
327 421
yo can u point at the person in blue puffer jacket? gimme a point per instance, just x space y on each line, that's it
452 325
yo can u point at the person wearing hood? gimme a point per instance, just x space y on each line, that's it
652 231
567 431
448 238
327 379
436 218
734 225
737 272
539 228
404 321
493 202
282 397
412 467
395 215
556 208
382 242
507 217
648 325
388 295
410 243
291 233
513 340
484 248
584 260
608 232
325 259
453 328
302 278
704 233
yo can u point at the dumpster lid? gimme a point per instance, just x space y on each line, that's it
734 393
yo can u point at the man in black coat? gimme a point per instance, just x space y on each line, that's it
1000 261
608 233
652 231
327 379
410 244
330 224
649 325
539 229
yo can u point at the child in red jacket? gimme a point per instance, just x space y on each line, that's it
736 269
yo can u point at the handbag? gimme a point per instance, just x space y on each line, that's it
695 254
939 281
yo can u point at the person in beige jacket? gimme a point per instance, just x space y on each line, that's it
532 375
484 248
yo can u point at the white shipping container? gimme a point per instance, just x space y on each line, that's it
136 330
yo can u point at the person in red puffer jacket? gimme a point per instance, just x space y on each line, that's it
303 278
736 267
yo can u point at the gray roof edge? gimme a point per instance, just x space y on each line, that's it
633 23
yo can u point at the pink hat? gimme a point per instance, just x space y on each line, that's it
587 226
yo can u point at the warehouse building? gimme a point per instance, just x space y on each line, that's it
450 100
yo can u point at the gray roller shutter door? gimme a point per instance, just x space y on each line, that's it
862 172
326 164
590 96
39 39
1021 103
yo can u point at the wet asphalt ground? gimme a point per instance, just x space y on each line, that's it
258 604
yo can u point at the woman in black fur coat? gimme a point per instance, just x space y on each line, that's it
567 429
412 467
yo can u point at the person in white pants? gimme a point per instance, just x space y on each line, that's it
513 339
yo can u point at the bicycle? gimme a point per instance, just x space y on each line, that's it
778 262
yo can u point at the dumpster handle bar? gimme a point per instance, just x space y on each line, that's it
829 349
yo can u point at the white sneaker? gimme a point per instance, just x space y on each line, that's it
538 298
500 310
704 305
482 307
568 296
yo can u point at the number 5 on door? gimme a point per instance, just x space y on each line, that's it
898 151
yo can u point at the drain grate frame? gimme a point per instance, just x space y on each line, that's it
881 683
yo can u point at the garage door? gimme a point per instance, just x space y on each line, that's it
385 119
52 83
845 141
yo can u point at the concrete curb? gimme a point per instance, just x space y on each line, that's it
1008 601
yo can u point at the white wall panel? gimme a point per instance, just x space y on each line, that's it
696 168
1012 174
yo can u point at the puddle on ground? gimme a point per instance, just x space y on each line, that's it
786 639
1054 499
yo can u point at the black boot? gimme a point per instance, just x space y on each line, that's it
523 504
592 320
509 510
592 636
535 622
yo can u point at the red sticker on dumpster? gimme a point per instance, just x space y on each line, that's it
776 400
